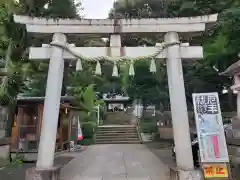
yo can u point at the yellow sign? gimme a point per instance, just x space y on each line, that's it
215 170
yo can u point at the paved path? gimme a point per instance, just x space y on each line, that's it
115 162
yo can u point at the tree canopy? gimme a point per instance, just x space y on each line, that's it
221 47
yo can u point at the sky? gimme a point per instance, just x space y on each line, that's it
96 9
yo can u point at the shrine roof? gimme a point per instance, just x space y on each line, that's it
117 99
29 99
232 70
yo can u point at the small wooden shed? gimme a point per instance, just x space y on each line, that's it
26 127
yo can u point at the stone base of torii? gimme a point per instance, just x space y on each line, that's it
43 174
62 28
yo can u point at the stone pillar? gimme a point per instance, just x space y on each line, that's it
51 106
179 112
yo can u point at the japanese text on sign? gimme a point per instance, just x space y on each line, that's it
215 171
212 143
206 104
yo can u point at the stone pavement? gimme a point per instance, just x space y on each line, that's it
115 162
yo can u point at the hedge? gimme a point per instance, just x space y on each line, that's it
88 129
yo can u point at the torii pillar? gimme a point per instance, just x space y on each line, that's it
178 103
47 143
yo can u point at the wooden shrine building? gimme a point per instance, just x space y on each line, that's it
26 127
116 102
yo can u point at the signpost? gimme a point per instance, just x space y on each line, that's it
211 137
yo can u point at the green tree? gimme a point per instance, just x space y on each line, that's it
13 44
62 9
221 44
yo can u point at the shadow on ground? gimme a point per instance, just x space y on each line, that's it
17 172
162 149
235 172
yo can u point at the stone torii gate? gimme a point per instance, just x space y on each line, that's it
68 30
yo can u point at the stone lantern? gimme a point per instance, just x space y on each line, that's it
234 71
233 138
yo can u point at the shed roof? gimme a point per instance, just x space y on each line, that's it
41 99
232 70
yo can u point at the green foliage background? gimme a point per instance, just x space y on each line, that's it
221 47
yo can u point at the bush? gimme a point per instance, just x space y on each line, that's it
148 127
88 117
88 130
87 141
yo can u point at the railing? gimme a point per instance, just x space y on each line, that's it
138 130
98 115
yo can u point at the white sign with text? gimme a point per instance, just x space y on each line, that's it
211 137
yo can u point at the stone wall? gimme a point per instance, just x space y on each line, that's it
4 141
3 122
118 118
4 154
166 133
233 142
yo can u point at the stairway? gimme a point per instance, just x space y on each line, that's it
118 118
117 134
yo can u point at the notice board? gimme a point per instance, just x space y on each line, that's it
211 137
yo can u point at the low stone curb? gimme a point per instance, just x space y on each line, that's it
56 155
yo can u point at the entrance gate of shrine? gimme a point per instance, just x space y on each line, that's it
67 31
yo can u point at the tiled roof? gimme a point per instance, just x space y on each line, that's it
26 98
232 70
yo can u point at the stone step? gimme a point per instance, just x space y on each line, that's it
117 131
118 118
117 135
116 128
118 113
124 116
118 142
116 138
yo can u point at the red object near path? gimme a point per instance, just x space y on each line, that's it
80 138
